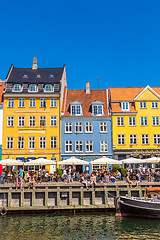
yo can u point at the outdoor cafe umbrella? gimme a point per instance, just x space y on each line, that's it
152 160
11 162
73 161
40 162
105 161
132 161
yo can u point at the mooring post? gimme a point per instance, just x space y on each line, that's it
58 196
22 198
33 198
70 196
81 196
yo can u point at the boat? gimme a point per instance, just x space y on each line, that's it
139 207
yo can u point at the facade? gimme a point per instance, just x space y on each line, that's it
1 116
135 121
31 120
86 125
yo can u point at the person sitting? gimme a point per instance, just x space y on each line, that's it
118 175
93 180
83 181
18 181
27 177
31 182
106 176
138 179
128 180
113 179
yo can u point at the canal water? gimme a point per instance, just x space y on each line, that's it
79 226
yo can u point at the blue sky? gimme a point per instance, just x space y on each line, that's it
118 40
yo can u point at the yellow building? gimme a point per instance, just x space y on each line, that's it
31 120
135 121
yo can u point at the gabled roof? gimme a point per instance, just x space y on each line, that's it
149 88
96 95
1 91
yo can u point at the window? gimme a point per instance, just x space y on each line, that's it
20 142
121 139
48 88
10 121
156 138
103 146
53 102
143 105
68 146
32 121
31 142
103 127
78 127
21 102
10 102
33 88
53 121
10 142
132 121
53 142
120 121
78 146
68 127
43 102
88 127
76 110
42 121
154 104
42 142
125 106
89 146
145 139
21 121
17 88
155 121
133 139
97 110
144 121
32 102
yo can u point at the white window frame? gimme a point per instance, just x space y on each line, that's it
42 142
133 139
33 88
88 127
42 121
125 106
53 121
17 87
143 105
120 121
21 102
10 121
88 146
48 86
121 139
32 121
79 146
21 121
53 142
104 146
154 104
156 139
20 143
32 102
78 127
155 121
68 127
145 139
69 145
77 110
144 121
43 103
53 102
10 102
132 121
9 142
97 110
103 127
31 142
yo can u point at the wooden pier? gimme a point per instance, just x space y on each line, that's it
66 196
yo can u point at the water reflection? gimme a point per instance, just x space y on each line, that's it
80 226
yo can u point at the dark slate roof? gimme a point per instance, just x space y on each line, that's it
17 75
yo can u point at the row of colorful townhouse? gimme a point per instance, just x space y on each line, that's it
42 118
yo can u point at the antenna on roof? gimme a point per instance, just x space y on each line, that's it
98 79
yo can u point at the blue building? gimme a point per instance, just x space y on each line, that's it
86 127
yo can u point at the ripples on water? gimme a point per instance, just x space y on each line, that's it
80 226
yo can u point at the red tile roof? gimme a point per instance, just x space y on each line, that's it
99 95
1 91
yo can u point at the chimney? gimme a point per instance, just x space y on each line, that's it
87 87
34 63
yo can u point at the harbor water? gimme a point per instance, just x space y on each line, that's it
78 226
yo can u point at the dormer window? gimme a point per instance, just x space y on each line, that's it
97 109
33 88
17 88
51 76
38 76
125 106
76 109
25 76
48 88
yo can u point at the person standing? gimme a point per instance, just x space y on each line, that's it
21 174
